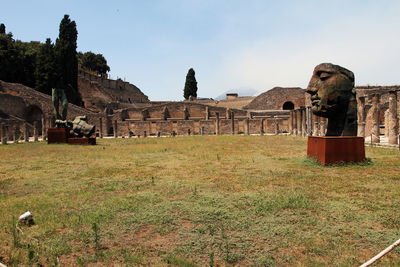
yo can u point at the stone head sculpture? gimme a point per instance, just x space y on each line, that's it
333 96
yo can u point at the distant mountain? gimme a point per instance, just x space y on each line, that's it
240 92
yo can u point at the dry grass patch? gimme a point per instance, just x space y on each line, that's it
195 201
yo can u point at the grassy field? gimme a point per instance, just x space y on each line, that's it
195 201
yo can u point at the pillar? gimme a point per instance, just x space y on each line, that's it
3 134
361 116
276 122
322 126
247 126
233 122
309 121
315 125
303 122
393 121
375 118
262 126
115 129
44 129
26 132
101 127
207 117
35 131
291 122
300 122
217 123
295 129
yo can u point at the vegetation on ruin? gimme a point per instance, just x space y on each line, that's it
93 62
196 201
190 88
44 66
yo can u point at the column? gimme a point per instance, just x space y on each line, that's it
393 122
300 122
26 132
3 134
35 131
101 127
315 125
44 129
276 122
291 122
115 129
217 123
310 122
303 122
322 126
247 126
207 117
295 129
262 126
375 118
233 122
361 116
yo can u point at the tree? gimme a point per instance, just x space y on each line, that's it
190 85
67 61
2 28
93 62
46 68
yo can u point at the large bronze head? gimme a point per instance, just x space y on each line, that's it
333 96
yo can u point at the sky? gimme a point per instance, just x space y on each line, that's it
232 45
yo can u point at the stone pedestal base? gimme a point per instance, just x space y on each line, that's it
82 141
57 135
334 149
62 135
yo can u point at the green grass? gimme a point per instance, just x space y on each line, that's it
196 201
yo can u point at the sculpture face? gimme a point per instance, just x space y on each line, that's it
333 96
331 87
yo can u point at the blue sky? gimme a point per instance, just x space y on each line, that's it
232 45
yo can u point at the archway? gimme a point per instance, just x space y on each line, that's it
288 105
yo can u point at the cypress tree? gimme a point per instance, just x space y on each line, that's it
67 61
190 85
2 28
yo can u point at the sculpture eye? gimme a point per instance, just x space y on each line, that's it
323 75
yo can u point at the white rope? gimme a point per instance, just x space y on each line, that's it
381 254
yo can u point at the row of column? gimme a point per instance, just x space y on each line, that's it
303 123
16 128
393 126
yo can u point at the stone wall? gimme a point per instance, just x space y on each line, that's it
275 99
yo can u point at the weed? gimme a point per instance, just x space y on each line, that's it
96 237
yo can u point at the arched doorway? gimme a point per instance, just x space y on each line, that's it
288 105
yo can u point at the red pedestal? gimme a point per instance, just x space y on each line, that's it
57 135
62 135
82 141
334 149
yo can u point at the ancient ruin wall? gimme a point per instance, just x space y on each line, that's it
275 98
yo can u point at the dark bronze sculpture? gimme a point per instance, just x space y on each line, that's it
333 96
79 126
